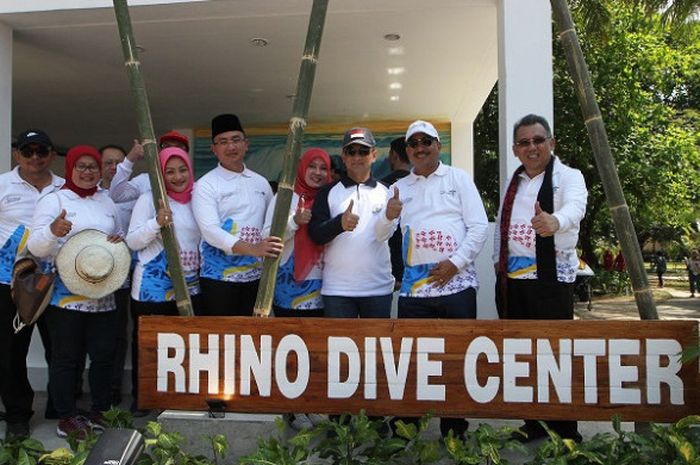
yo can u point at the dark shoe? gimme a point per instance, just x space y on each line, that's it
137 412
17 430
97 422
532 433
77 425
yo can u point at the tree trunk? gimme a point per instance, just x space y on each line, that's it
297 123
148 140
604 160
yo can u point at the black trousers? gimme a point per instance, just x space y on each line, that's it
528 299
71 331
121 297
222 298
15 390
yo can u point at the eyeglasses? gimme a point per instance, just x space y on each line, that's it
41 151
86 168
227 142
363 151
538 141
425 142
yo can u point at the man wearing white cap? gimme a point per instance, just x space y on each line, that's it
19 191
444 226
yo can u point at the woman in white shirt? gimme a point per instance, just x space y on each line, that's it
75 322
152 289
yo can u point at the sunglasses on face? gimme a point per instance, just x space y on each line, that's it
362 151
425 142
42 152
525 143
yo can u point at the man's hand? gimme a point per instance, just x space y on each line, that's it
544 223
136 152
270 247
442 273
394 206
349 219
61 226
303 214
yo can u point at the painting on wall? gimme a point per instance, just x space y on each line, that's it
267 145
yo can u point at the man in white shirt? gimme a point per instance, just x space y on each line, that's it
535 241
444 228
229 205
19 191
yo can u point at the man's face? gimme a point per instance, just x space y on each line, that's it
230 149
424 153
34 159
111 157
358 161
533 147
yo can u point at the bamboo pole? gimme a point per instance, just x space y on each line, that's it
148 140
297 123
604 160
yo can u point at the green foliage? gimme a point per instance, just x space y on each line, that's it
21 451
611 282
417 449
482 445
279 450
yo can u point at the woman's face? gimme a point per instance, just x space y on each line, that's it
177 175
316 173
86 172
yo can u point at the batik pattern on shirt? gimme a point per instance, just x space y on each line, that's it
218 265
290 294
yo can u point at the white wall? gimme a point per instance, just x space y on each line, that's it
5 96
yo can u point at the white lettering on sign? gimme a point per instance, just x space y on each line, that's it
487 392
204 362
590 350
396 375
426 368
513 369
667 374
168 364
292 343
259 365
620 373
559 372
344 346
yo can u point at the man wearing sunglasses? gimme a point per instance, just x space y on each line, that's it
347 217
535 240
19 191
444 226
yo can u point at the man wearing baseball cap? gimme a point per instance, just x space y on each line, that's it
19 191
441 213
347 217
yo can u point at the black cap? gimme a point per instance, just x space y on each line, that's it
33 136
225 123
362 136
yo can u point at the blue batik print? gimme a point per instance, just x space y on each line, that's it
216 264
8 254
297 296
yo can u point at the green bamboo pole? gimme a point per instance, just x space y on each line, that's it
297 123
604 160
148 140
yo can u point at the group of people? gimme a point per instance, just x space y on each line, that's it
335 258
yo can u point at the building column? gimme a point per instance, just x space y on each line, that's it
5 97
524 71
462 145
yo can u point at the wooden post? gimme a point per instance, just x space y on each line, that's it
604 160
148 140
297 123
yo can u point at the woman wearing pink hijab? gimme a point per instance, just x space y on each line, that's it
152 289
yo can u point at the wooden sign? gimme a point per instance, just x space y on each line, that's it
585 370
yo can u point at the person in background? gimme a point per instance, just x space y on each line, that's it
693 265
346 218
400 168
444 224
298 289
661 266
124 189
152 289
75 321
535 241
229 204
20 189
337 168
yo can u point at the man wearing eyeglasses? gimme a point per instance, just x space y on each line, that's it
19 191
229 204
444 226
535 240
347 218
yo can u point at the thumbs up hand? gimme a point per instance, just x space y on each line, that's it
394 206
349 219
544 223
303 214
61 226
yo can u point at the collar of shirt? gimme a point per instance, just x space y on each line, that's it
348 182
228 174
440 171
56 181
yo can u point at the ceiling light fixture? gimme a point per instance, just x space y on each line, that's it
394 98
395 50
392 36
395 85
259 42
396 70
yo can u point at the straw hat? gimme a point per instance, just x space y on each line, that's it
91 266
